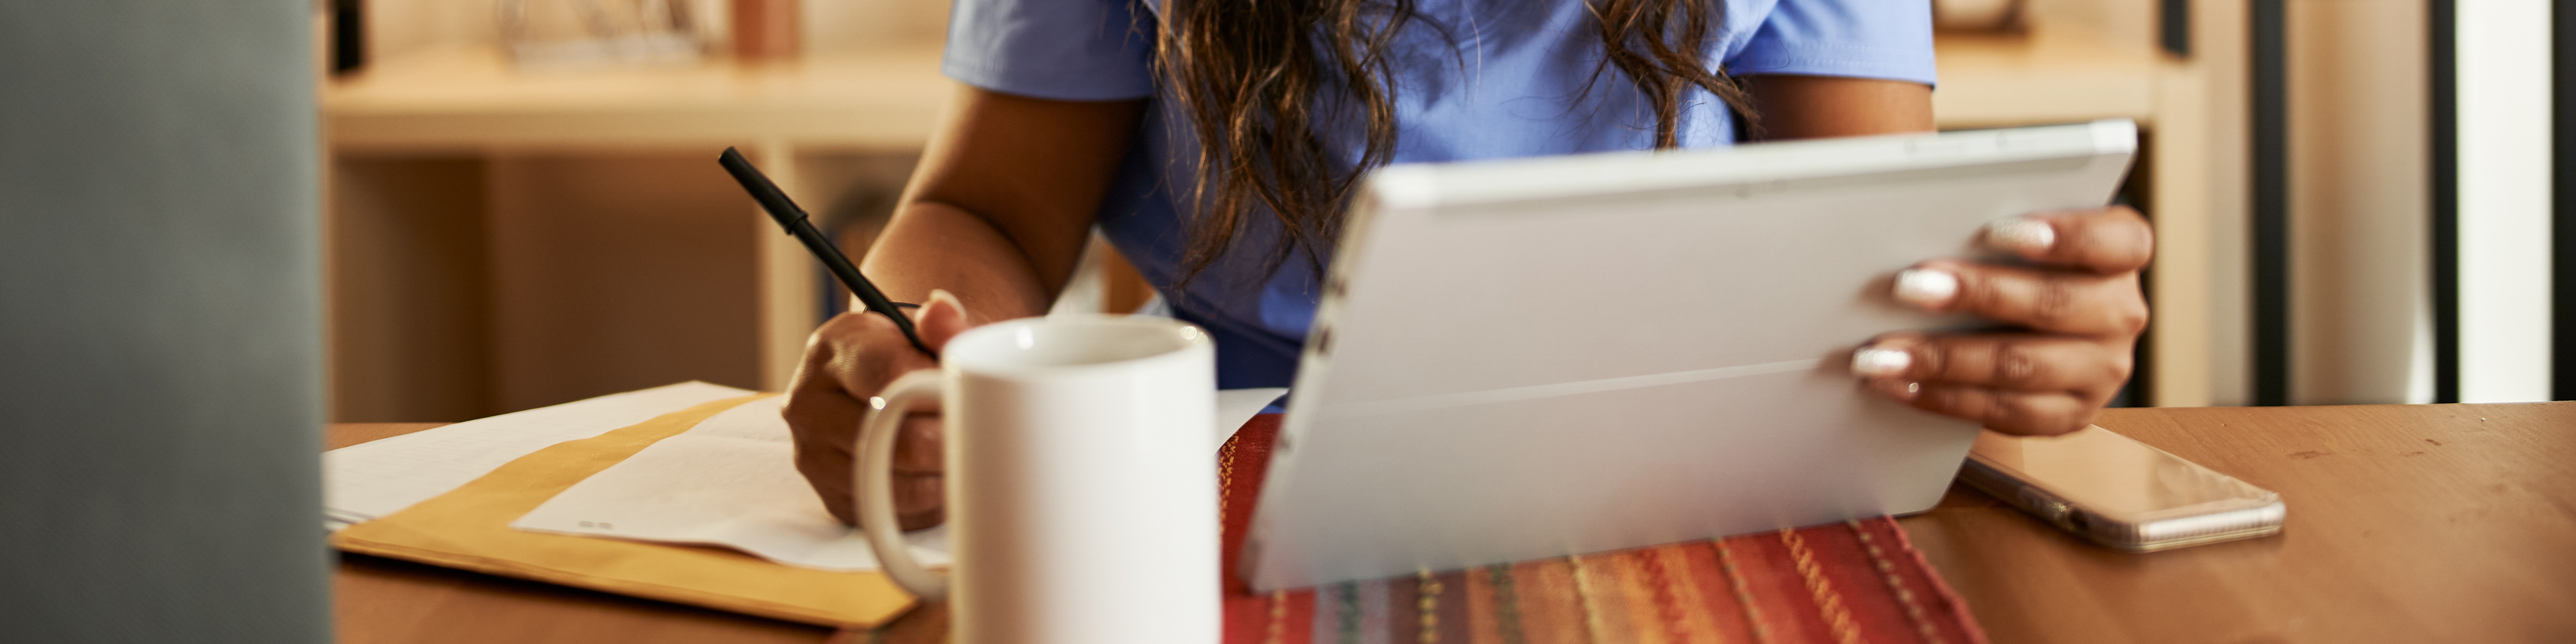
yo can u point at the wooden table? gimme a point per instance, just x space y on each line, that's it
2408 523
383 601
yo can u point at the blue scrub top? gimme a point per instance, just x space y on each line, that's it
1514 86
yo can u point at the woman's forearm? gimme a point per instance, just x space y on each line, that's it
1814 107
1001 206
932 245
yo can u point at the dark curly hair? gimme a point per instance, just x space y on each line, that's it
1249 75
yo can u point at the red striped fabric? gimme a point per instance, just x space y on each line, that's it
1848 583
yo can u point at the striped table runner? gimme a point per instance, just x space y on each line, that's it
1858 581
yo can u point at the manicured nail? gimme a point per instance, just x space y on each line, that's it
1927 288
1876 362
2022 236
938 295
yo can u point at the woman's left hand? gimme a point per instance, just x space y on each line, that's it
2076 302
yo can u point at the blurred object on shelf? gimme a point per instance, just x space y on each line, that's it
766 30
1977 15
593 33
348 35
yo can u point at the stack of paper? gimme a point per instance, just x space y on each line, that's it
369 480
728 481
732 481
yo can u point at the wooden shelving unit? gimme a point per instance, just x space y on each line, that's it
468 101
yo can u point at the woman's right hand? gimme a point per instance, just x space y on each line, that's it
847 361
1000 209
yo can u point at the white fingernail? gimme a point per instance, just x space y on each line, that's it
1875 362
2021 236
1927 288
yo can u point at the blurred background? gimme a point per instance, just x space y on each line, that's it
522 206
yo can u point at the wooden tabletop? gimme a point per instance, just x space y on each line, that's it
2407 523
387 601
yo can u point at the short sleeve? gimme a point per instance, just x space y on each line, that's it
1077 50
1890 39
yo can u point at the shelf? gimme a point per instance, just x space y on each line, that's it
470 99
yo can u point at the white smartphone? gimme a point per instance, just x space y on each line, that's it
2119 492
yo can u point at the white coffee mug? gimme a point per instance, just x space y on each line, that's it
1081 481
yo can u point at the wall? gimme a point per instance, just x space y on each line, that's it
2505 199
2358 203
2220 54
618 273
2198 169
2360 326
410 311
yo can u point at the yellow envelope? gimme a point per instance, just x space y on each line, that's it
468 528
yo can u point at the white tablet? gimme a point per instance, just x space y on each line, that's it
1532 358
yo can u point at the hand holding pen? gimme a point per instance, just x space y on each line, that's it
834 385
792 218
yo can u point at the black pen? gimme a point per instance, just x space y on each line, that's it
793 219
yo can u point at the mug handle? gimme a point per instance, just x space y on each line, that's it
876 482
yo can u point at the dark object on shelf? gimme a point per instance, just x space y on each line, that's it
2173 26
348 36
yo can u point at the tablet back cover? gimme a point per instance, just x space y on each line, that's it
1534 358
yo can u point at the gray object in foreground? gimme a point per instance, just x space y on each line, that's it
160 324
1523 359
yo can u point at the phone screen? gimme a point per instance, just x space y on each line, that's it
2112 474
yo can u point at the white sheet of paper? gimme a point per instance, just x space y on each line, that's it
1234 407
377 478
732 481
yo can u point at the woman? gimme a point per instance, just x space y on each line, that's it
1213 142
